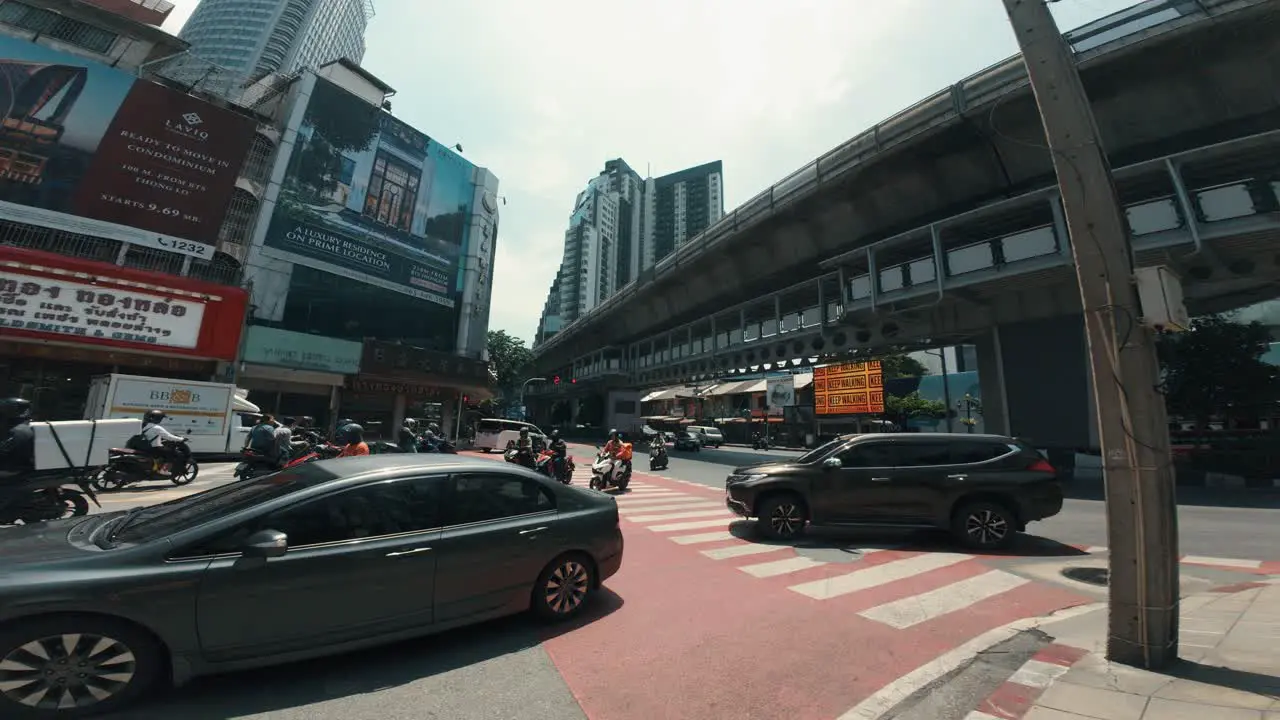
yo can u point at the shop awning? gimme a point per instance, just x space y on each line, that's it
754 386
670 393
730 388
803 380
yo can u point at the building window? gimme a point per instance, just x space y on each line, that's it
393 191
50 24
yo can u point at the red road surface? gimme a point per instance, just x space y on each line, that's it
699 638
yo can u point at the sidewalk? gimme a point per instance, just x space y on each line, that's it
1229 668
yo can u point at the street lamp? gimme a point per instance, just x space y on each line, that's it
524 385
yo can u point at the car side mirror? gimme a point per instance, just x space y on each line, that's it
265 544
832 463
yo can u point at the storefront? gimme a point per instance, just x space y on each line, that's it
64 320
297 374
397 381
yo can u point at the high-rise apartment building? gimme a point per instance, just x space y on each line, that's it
252 38
620 226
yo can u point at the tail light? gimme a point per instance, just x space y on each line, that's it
1041 465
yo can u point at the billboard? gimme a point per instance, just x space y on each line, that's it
90 149
780 392
848 389
367 197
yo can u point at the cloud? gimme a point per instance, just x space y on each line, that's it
543 93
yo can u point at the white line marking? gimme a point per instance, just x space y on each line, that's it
979 715
877 575
1038 674
781 567
691 525
703 538
887 697
705 512
1225 562
1095 549
651 494
674 503
911 611
734 551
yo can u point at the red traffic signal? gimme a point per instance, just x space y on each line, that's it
556 379
574 380
464 398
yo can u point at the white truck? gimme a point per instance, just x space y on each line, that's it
204 412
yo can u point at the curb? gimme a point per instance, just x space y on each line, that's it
1251 567
1015 698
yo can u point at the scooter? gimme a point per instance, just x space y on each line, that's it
760 443
126 467
514 456
41 496
658 458
607 472
546 464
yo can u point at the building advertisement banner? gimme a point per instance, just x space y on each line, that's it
90 149
781 393
84 306
849 389
368 197
269 346
79 310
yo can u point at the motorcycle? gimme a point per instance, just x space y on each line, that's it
42 496
658 458
526 459
126 467
442 445
607 472
561 472
760 443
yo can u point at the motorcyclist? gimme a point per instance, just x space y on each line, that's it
17 448
156 435
560 450
431 439
262 438
524 448
284 440
408 438
617 449
340 429
353 439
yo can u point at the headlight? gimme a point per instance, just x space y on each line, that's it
739 479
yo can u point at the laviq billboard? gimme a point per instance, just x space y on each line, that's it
94 150
367 197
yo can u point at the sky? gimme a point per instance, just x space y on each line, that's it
543 93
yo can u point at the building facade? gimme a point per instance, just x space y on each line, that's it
375 242
255 38
620 226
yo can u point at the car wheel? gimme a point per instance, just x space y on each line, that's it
782 517
984 526
563 587
71 667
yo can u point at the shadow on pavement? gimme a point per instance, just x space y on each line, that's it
1258 498
1225 677
276 688
732 458
911 540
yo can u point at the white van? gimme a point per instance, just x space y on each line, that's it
497 434
710 436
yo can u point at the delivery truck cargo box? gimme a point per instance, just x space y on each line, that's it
84 443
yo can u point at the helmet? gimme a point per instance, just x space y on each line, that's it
343 422
433 428
613 433
288 420
555 434
524 432
353 433
153 416
15 408
410 423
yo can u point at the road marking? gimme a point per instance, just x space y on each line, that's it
690 525
649 494
705 512
979 715
916 609
734 551
875 576
1092 549
644 505
703 538
781 567
1225 562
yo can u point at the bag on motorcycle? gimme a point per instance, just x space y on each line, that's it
137 443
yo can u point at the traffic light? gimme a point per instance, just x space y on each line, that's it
464 399
556 380
574 380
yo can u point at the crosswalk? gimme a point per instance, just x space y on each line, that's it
898 588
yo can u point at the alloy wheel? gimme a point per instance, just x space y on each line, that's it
986 527
566 588
786 520
66 671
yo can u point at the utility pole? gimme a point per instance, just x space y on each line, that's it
1141 508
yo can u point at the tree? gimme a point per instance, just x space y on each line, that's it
901 365
913 406
1215 370
510 361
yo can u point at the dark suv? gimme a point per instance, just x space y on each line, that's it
983 488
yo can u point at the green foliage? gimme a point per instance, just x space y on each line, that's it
510 361
913 406
901 365
1215 370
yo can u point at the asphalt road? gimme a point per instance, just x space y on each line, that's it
703 621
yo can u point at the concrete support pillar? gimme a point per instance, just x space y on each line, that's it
995 410
397 416
573 411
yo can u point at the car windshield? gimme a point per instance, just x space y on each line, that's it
164 519
820 451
